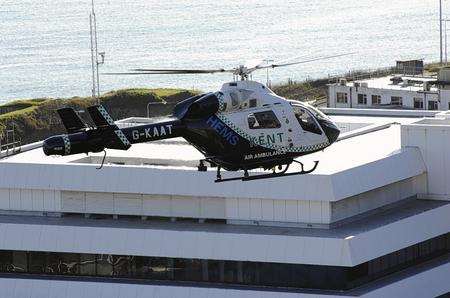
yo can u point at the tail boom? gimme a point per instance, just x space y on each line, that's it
154 131
106 134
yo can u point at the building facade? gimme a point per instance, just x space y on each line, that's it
392 92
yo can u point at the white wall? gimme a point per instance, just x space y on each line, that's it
433 141
285 211
444 100
143 205
377 198
30 200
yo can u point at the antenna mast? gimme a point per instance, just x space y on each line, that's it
95 55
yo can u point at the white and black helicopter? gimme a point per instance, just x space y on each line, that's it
243 126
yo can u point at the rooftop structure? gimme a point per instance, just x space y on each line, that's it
393 92
371 221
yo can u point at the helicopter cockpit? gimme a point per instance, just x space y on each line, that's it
314 121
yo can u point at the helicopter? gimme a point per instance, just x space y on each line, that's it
241 127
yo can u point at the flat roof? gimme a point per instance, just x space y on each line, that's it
346 168
386 83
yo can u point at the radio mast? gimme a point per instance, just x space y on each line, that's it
95 55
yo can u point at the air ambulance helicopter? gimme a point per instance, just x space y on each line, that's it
243 126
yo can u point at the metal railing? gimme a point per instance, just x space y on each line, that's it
8 143
358 75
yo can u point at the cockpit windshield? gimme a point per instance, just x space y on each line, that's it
317 113
306 120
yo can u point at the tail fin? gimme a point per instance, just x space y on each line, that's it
100 116
71 120
113 135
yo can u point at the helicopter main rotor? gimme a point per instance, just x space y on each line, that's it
242 71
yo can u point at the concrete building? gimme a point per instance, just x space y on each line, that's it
393 92
371 221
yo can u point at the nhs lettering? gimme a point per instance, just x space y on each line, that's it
223 130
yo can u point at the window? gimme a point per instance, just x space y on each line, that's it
376 100
234 100
449 105
262 120
396 100
306 120
362 99
432 105
341 97
418 103
252 103
264 274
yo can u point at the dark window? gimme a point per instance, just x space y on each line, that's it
38 262
362 99
432 105
418 103
87 264
220 271
19 262
234 100
121 266
376 100
341 97
396 100
306 120
252 103
104 265
262 120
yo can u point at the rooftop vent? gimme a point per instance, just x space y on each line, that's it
396 80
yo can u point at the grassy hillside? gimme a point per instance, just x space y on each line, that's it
37 119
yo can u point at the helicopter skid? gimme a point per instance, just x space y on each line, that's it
247 177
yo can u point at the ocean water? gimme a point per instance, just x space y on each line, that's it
45 45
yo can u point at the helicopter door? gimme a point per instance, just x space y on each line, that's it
265 128
312 132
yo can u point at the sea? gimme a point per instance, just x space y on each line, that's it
45 44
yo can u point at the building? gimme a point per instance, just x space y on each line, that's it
393 92
371 221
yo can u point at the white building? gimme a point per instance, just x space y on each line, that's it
371 221
395 91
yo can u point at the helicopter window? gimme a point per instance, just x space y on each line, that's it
234 99
306 120
252 103
318 114
265 119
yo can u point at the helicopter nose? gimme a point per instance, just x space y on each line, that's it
330 129
53 146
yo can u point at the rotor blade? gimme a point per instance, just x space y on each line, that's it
254 63
188 71
156 72
303 61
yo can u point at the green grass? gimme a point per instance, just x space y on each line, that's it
34 119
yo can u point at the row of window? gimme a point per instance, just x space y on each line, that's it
218 271
341 97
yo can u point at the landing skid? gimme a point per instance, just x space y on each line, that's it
283 173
